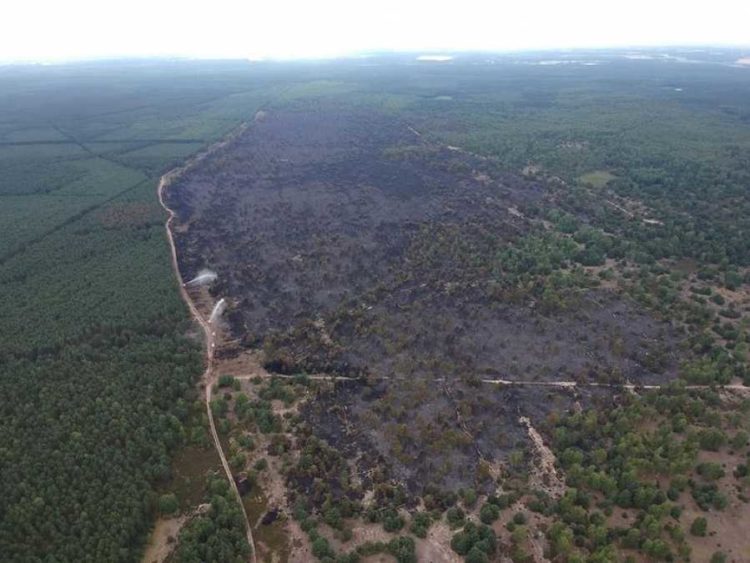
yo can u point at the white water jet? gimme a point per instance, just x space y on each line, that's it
204 277
218 310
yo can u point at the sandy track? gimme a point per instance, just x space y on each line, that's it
208 375
738 387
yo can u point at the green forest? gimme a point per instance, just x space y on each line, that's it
97 368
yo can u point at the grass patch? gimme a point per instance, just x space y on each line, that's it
189 469
597 179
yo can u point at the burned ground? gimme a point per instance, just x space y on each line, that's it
302 215
347 244
435 436
422 334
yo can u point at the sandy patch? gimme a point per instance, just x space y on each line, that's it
544 475
163 539
436 547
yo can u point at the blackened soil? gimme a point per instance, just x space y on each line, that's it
346 243
442 436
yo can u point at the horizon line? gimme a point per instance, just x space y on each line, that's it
182 57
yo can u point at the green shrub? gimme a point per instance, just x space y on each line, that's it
420 524
711 439
321 548
489 513
519 518
469 496
392 521
710 471
739 440
718 557
403 549
455 517
226 380
168 504
699 527
472 536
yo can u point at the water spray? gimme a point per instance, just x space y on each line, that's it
204 277
218 310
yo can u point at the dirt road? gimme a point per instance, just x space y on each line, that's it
738 387
208 331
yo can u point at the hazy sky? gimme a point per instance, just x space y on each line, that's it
64 29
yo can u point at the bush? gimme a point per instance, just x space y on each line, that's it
420 524
476 555
710 471
321 548
455 517
657 549
711 439
237 461
707 495
403 549
481 538
489 513
332 517
168 504
699 527
469 496
392 521
246 442
739 440
226 380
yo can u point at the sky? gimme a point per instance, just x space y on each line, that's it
49 30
